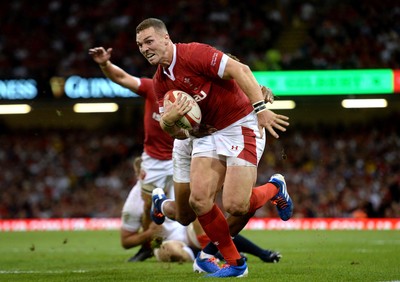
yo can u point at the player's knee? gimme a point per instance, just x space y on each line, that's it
236 208
185 215
200 205
125 245
186 219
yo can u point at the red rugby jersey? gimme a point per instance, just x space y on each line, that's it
157 143
197 69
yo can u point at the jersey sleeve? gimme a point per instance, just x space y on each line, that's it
145 87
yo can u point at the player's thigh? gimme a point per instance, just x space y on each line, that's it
207 175
238 185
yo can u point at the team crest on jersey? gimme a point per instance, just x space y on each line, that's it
187 81
193 88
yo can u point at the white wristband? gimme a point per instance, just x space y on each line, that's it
259 106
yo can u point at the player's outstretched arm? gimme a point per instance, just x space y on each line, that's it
113 72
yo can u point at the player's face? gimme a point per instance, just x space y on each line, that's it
152 45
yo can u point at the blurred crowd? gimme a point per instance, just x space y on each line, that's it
331 171
52 38
66 173
347 35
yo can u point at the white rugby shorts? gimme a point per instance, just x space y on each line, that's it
239 144
132 210
132 214
182 156
158 174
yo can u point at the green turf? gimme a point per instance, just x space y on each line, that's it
97 256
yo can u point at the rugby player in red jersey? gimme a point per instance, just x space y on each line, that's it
231 101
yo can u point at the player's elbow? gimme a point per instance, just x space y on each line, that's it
128 239
235 69
245 69
125 244
128 244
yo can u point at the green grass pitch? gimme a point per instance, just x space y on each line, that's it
98 256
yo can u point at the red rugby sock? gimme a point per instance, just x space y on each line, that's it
216 228
260 195
203 240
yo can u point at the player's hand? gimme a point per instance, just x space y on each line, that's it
202 130
176 110
100 55
269 120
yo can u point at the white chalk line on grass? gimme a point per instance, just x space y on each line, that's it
41 271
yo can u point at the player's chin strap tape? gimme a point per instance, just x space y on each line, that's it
259 106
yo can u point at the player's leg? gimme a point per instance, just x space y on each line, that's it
235 197
131 224
182 157
237 188
178 209
274 190
207 176
200 238
238 144
260 195
244 245
184 212
237 177
250 149
146 219
154 174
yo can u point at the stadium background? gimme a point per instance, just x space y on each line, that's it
59 164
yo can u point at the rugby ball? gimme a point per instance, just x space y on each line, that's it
192 118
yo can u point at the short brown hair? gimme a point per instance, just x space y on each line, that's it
157 24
